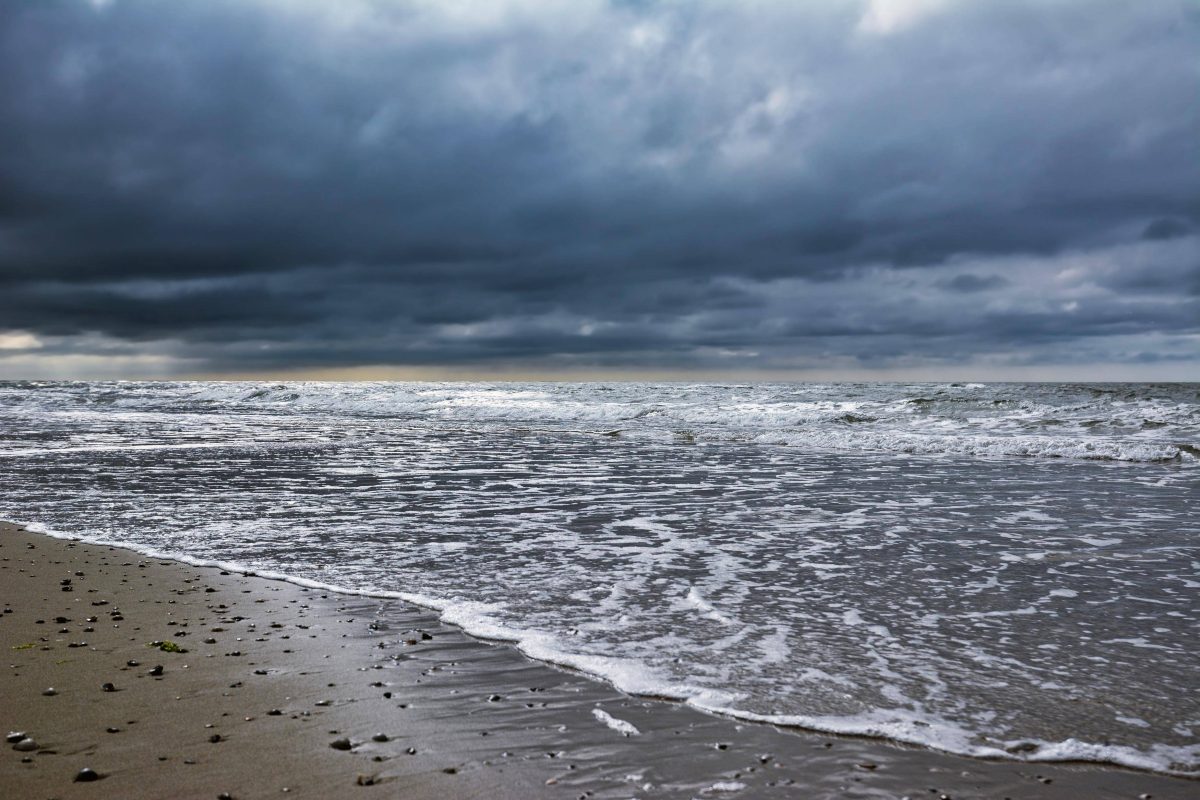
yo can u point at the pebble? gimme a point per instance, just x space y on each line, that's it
50 692
87 774
341 744
108 687
14 736
155 670
274 712
25 745
379 737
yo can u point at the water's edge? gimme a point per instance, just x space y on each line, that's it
611 671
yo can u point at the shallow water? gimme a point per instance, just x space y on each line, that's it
976 568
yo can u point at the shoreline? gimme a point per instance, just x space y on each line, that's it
482 719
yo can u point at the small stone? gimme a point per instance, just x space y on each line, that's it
108 687
25 745
495 698
50 692
274 712
132 663
365 780
412 751
216 737
379 737
155 670
14 737
112 730
341 744
86 775
224 796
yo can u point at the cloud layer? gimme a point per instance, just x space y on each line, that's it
263 186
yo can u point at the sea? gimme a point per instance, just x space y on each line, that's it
996 570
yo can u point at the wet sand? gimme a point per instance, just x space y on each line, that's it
294 692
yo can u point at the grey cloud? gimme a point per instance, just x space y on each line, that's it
622 183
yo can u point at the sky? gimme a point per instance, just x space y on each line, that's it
874 189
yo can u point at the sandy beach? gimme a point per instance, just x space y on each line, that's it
261 688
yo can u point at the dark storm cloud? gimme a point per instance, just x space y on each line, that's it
255 185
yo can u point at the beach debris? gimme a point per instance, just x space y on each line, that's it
167 646
25 745
341 744
86 775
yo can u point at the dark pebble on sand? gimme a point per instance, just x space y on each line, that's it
216 737
14 737
274 712
25 745
412 751
50 692
87 774
61 620
387 695
379 737
155 670
341 744
224 796
108 687
112 730
495 698
132 663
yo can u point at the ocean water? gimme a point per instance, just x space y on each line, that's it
1005 570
